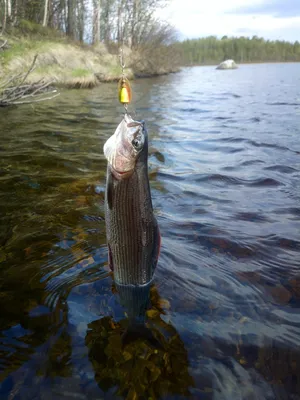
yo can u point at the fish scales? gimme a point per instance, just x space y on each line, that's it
131 232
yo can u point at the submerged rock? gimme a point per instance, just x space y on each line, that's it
227 64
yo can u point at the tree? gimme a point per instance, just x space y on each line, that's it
81 11
71 19
4 17
8 9
109 19
45 13
241 49
96 20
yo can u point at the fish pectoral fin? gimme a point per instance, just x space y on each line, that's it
109 188
157 247
110 258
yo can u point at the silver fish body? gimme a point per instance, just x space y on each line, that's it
131 228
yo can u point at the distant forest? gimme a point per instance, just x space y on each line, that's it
211 50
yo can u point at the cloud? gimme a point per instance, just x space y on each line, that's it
271 19
276 8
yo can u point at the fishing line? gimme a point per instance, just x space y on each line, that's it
124 87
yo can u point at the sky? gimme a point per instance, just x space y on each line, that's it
271 19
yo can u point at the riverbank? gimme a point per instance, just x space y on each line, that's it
215 64
73 65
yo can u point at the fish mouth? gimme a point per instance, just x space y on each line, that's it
120 174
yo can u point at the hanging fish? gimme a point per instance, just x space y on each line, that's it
132 231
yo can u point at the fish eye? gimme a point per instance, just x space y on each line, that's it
136 144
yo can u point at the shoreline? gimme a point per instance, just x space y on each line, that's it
243 63
70 65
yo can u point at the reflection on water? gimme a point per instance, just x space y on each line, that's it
224 171
139 368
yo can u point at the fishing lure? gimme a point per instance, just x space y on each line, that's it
124 89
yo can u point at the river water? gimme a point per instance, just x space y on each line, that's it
225 177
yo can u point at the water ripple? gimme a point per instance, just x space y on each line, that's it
224 172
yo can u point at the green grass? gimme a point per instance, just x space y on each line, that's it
30 29
48 70
29 36
81 73
19 48
115 70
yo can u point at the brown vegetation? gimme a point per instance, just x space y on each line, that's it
16 90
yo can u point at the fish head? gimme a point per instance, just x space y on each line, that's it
124 147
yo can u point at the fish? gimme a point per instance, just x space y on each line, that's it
132 232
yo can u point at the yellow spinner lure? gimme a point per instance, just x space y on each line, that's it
124 89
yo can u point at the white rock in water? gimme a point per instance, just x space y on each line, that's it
228 64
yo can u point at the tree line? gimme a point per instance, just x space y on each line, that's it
131 22
134 24
211 50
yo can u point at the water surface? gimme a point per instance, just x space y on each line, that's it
225 176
